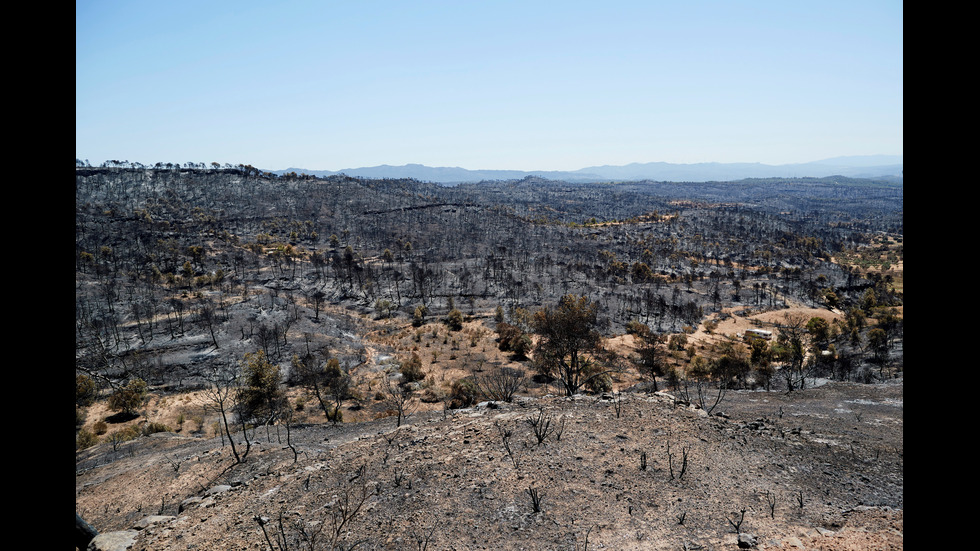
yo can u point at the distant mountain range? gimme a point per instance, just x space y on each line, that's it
871 166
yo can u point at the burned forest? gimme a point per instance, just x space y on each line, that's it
228 304
163 254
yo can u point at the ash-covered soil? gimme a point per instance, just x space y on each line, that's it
820 468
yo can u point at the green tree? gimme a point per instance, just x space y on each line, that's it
196 252
129 398
383 306
338 388
890 322
868 301
85 439
732 366
325 381
760 357
878 344
854 322
260 397
819 330
418 317
651 353
498 314
454 320
642 273
511 338
86 391
831 299
792 348
567 336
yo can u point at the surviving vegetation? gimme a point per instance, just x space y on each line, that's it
235 305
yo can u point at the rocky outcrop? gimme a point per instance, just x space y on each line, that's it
121 540
113 541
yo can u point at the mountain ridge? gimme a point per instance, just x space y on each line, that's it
868 166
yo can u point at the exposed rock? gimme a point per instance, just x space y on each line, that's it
747 541
113 541
187 503
153 519
220 489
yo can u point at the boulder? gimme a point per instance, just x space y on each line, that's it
113 541
747 541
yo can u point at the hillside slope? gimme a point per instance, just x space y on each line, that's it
817 469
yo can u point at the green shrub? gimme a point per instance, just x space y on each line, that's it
151 428
260 397
418 317
128 399
600 383
85 391
85 439
454 320
511 338
636 328
597 380
411 369
677 342
463 393
131 432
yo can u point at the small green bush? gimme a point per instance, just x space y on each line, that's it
636 328
598 381
463 393
85 439
411 369
85 391
454 320
601 383
152 428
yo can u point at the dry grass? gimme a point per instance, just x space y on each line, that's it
447 356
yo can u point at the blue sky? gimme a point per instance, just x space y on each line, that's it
486 85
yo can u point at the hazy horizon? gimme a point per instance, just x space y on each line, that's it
493 85
853 157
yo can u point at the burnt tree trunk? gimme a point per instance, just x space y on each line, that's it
83 533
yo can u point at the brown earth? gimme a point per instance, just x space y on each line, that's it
447 480
446 357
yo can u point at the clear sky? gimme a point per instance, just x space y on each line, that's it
523 85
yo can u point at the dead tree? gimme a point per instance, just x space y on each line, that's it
84 533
